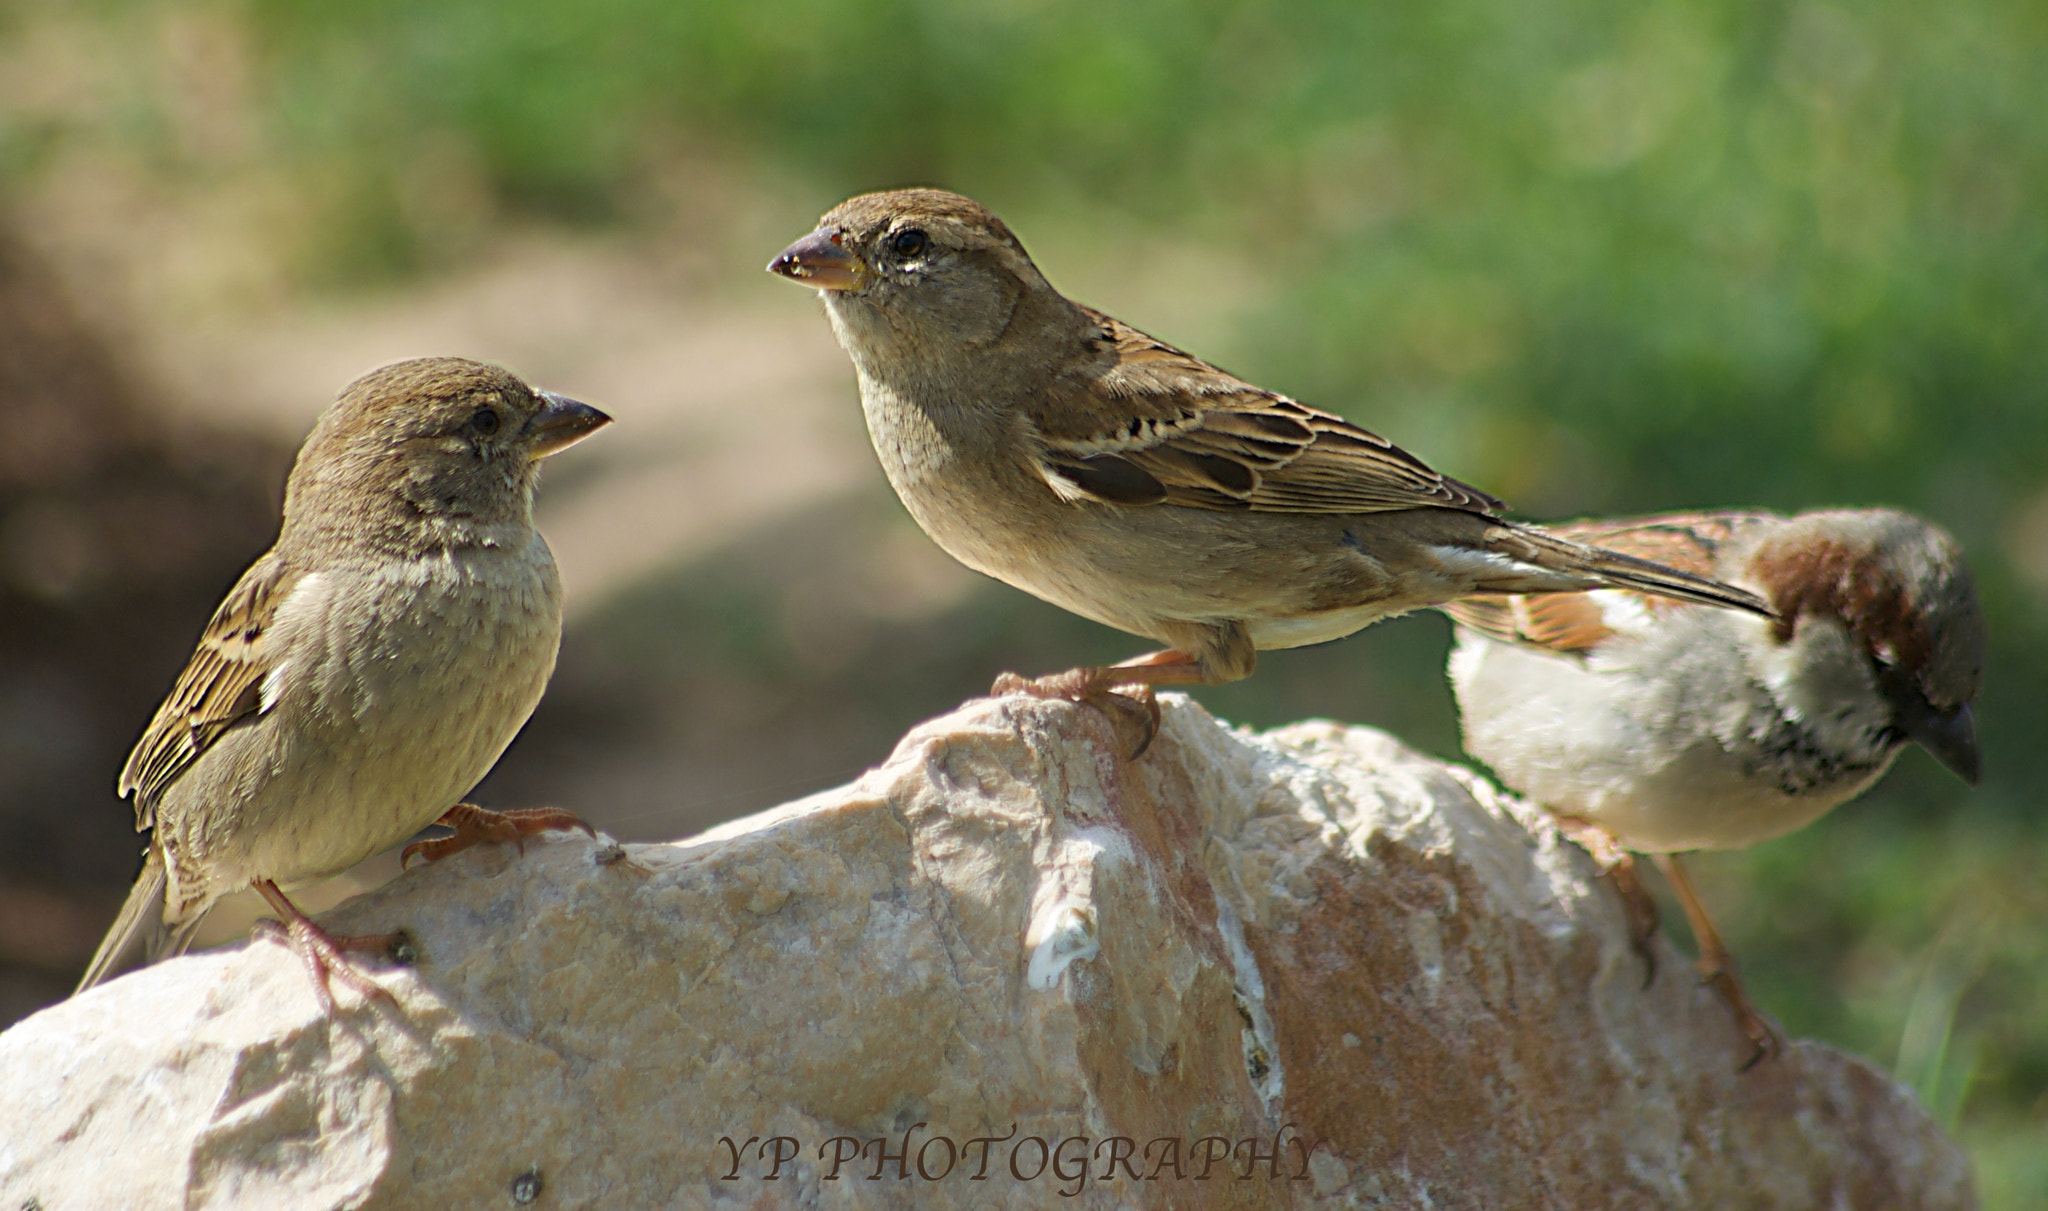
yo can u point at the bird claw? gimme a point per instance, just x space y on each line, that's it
1641 909
1761 1032
1717 966
1124 702
322 953
475 825
1618 866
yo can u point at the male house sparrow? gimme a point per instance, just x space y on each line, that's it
1648 725
367 670
1059 450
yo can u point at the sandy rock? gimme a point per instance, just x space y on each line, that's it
1001 968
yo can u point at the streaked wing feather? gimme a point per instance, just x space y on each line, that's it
1685 542
1572 623
1492 617
220 687
1557 622
1212 441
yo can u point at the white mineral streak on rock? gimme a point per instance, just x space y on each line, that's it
1064 935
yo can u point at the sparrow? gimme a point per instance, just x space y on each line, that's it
1059 450
1645 725
366 671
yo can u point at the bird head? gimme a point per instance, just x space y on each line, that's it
430 451
921 272
1901 591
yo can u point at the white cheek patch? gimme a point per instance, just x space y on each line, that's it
1823 680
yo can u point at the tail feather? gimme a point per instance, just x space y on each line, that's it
140 936
1581 567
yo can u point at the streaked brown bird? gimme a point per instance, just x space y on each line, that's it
1658 727
1066 453
366 671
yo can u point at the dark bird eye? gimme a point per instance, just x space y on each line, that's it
909 242
485 421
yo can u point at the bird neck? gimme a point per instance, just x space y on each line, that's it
1825 709
393 527
969 390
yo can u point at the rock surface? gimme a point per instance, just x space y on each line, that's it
1052 973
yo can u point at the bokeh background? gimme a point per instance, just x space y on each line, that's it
1598 256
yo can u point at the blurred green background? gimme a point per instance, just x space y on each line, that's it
1597 257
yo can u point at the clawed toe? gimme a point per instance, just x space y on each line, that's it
1641 908
475 825
1717 966
1130 706
1618 866
323 952
1768 1045
1763 1034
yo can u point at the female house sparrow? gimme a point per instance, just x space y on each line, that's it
1652 726
1063 452
366 670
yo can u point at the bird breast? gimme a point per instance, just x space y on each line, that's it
399 686
1666 738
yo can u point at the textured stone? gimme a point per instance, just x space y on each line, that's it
1003 927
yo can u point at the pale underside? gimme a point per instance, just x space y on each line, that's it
336 735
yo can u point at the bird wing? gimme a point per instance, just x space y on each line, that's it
1143 423
220 687
1575 623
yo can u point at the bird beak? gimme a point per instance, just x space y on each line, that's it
561 424
819 260
1950 736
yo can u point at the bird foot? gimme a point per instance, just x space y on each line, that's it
475 825
1618 866
322 952
1130 705
1717 966
1641 908
1762 1033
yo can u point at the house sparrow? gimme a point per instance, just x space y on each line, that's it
367 670
1657 727
1063 452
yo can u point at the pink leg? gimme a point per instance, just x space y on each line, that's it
1717 966
1619 866
322 951
1114 689
475 825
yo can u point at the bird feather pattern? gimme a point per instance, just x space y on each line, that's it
221 686
1575 623
1190 434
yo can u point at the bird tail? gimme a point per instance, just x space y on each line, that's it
1562 566
140 935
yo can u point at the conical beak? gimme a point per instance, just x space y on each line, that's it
561 424
1952 738
1950 735
819 260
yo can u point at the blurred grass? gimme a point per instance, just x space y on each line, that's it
1596 256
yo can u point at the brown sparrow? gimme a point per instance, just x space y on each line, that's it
367 670
1063 452
1654 726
